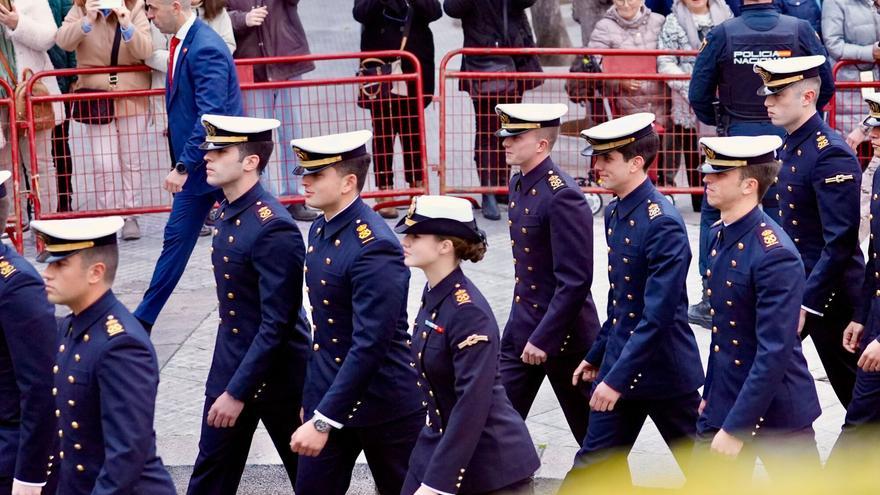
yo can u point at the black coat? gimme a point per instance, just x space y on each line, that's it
483 24
383 24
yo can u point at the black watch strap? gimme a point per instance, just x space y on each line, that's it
180 168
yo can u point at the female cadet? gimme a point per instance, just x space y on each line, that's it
473 442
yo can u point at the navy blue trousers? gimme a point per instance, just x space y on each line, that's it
188 212
861 428
223 452
387 447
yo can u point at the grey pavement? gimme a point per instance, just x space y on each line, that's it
184 333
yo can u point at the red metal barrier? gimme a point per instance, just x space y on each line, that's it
11 159
119 168
847 107
461 145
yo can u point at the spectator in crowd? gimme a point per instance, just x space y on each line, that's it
26 34
62 59
851 30
629 24
587 13
272 28
214 13
107 157
385 22
483 25
685 29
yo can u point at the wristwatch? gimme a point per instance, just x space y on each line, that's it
322 426
180 168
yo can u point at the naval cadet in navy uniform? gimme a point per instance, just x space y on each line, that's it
819 187
645 361
474 442
759 398
28 336
862 336
360 392
106 372
257 253
553 320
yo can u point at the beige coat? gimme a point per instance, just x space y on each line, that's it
93 50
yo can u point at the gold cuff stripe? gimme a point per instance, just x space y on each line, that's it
612 144
71 246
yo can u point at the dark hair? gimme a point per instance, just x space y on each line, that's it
263 150
466 250
213 8
645 147
107 254
357 166
764 173
551 134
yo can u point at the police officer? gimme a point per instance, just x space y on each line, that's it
553 319
259 359
360 392
106 373
28 336
645 361
759 397
819 187
863 333
474 442
724 67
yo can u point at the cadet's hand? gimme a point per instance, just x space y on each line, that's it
870 360
604 398
585 371
801 320
726 444
702 406
19 489
631 84
174 182
224 412
308 441
423 490
256 16
532 355
852 334
855 138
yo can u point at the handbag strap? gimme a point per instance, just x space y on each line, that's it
114 55
8 69
407 26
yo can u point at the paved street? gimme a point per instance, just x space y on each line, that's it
184 334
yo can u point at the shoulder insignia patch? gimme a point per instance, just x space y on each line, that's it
6 269
364 233
839 178
113 326
822 141
462 297
654 211
555 181
473 340
768 238
265 213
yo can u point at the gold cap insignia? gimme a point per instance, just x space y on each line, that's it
505 119
710 153
301 154
210 130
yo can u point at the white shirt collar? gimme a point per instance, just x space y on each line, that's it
182 32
